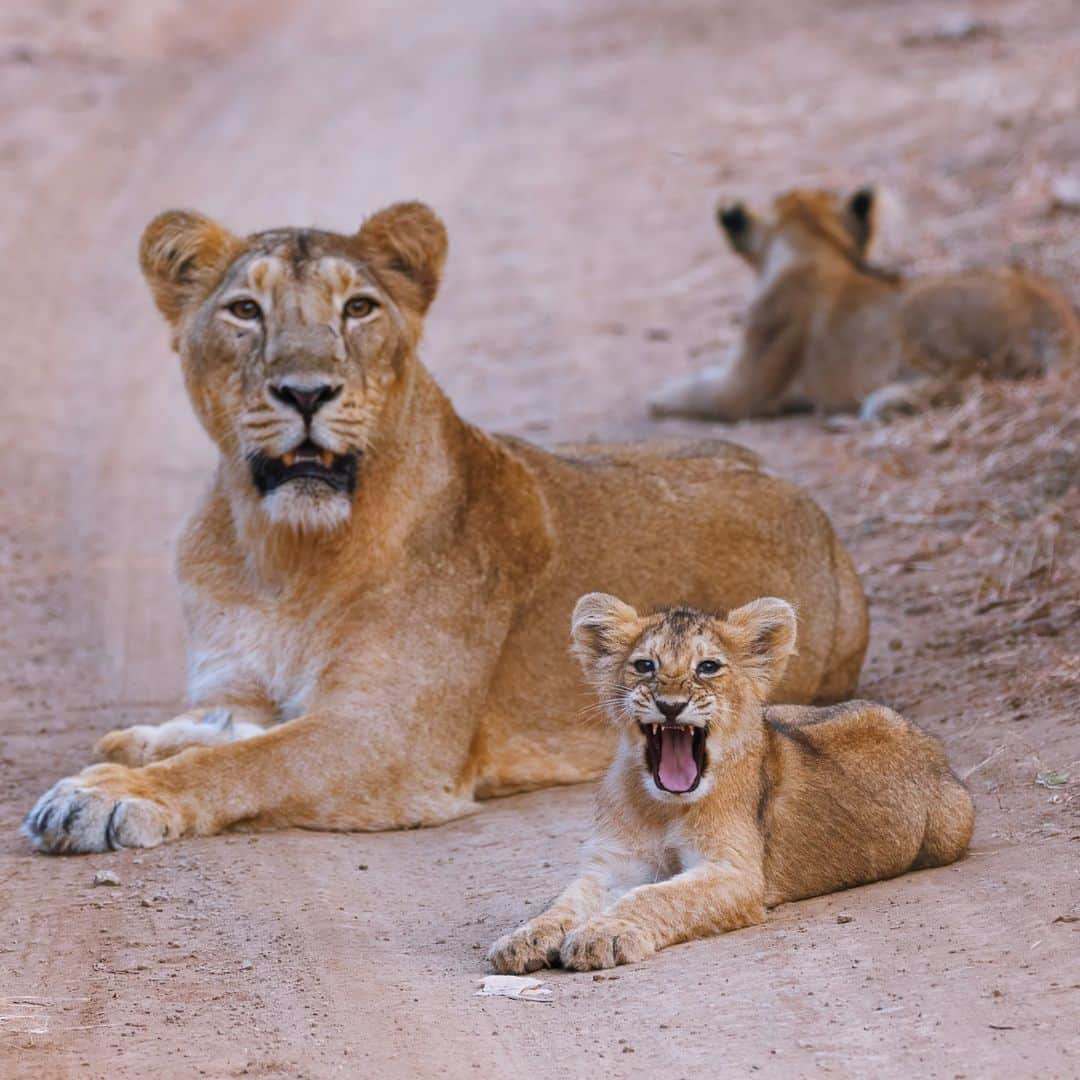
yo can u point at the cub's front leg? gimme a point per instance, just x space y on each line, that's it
536 944
611 868
709 899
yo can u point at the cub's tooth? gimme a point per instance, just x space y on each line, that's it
288 460
656 729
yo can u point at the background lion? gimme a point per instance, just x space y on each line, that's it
829 331
377 592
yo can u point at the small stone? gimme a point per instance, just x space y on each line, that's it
247 965
1065 191
106 877
845 918
146 903
362 866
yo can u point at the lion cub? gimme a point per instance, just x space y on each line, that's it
829 331
718 806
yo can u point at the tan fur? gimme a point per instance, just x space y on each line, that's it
792 802
827 330
384 659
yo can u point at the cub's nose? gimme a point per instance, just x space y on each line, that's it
670 709
306 399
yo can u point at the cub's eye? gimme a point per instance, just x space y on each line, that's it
359 307
709 667
644 667
247 310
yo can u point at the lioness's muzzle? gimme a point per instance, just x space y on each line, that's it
305 462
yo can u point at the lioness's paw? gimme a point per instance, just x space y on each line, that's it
531 947
604 943
101 809
127 746
144 743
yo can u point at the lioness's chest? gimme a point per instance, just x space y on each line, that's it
254 650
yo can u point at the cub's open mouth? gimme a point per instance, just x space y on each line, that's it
306 462
675 755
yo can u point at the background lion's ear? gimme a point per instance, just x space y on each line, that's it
406 246
860 217
764 631
602 626
742 230
183 255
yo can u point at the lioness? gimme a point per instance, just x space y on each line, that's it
826 330
717 807
374 589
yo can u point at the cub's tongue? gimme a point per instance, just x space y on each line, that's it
678 769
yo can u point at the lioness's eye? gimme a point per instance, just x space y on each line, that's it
709 667
245 309
359 307
644 667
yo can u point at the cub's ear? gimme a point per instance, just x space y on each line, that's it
602 627
764 631
407 244
183 255
860 214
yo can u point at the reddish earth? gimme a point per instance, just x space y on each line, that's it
576 151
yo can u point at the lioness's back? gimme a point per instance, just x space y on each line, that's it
703 522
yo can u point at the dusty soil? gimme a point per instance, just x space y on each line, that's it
576 151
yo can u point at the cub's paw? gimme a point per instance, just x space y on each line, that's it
604 943
528 948
104 808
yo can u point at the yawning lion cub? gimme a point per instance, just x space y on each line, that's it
718 807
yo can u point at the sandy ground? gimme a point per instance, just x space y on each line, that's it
576 150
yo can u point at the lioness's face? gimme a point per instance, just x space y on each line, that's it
678 682
800 218
296 344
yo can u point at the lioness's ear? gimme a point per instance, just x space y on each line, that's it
764 631
407 243
602 626
182 255
860 218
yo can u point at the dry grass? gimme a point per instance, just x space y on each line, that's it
1000 476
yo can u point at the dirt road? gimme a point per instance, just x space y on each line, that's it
576 150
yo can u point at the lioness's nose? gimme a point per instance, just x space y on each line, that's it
307 400
670 709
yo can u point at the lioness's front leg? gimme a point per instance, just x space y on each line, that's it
709 899
325 770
